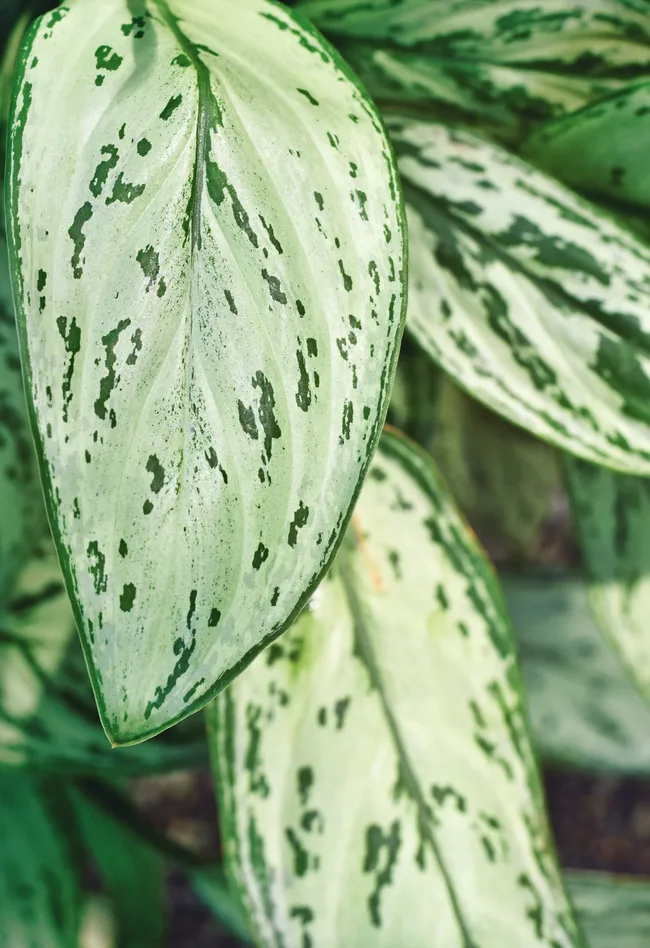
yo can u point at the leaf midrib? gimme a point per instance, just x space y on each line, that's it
364 646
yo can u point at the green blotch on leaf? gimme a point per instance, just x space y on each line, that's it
184 652
305 783
308 96
261 556
300 518
97 567
171 107
144 147
72 340
107 59
381 855
247 420
127 597
78 237
300 854
108 382
124 192
104 168
157 470
149 261
303 395
275 288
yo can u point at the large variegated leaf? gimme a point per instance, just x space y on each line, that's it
585 710
601 148
39 896
509 65
614 910
377 783
612 519
505 31
527 297
48 718
210 306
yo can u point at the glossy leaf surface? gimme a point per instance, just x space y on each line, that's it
377 784
611 514
211 307
531 300
585 710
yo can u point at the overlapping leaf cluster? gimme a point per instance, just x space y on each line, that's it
208 255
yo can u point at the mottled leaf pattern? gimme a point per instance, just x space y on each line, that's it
377 785
509 65
48 718
611 514
585 710
211 305
601 148
39 897
527 297
615 910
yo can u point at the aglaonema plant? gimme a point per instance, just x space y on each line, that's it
207 242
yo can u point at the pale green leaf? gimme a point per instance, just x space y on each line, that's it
48 717
601 148
39 896
585 710
530 299
611 514
614 910
208 258
509 65
376 780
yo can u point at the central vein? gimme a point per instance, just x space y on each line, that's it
365 649
204 111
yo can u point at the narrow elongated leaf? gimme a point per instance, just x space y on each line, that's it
502 478
612 519
506 31
614 910
585 709
39 897
377 784
22 513
509 65
48 718
210 307
529 299
212 888
508 101
601 148
132 874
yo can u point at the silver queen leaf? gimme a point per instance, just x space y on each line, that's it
207 254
